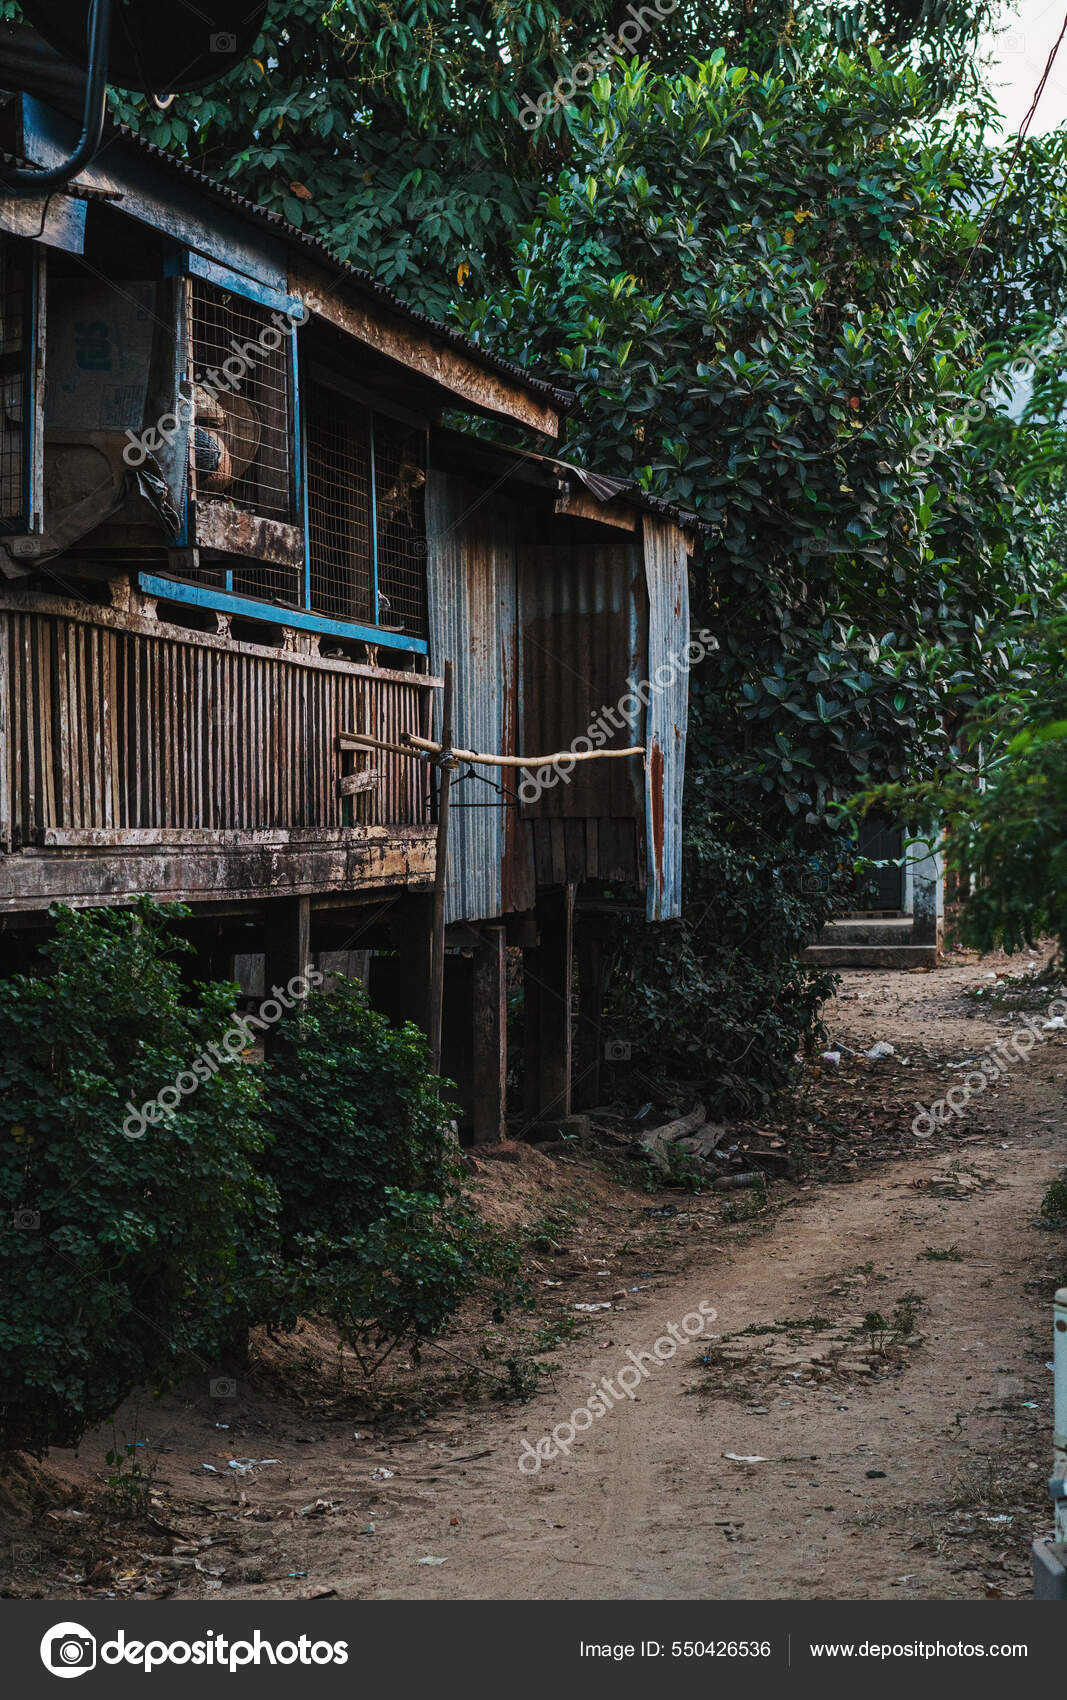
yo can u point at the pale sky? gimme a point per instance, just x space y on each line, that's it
1020 49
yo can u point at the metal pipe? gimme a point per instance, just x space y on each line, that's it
22 181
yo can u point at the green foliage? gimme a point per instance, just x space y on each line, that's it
121 1260
1054 1204
747 279
396 133
1003 799
400 1278
720 995
373 1235
352 1112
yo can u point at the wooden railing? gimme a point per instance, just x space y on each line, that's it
113 722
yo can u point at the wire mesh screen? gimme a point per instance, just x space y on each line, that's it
268 581
14 391
339 507
400 486
241 448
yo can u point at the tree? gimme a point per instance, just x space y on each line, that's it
401 133
749 280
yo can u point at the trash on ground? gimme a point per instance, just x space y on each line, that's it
880 1050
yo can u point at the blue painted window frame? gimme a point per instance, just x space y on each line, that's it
188 263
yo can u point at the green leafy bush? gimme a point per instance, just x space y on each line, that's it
400 1278
121 1259
720 996
352 1112
373 1235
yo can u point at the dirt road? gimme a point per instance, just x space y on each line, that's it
904 1461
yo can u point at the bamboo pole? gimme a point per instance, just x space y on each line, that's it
437 953
420 748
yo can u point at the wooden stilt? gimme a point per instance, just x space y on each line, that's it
547 997
437 968
588 1045
490 1038
288 948
411 932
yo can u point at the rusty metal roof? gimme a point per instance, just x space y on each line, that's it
623 490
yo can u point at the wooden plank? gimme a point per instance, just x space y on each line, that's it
582 504
574 852
57 220
219 526
87 613
159 197
33 878
350 784
559 853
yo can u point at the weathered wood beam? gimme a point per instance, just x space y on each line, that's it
416 348
582 504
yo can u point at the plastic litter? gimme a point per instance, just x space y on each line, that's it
880 1050
831 1057
381 1474
429 1559
605 1306
746 1458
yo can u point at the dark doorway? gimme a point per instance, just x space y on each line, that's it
880 888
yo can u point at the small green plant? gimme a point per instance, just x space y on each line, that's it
940 1254
555 1331
129 1486
885 1335
1054 1204
520 1379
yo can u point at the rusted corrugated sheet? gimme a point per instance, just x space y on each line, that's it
471 577
667 574
582 623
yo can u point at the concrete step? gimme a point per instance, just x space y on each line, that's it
864 931
870 956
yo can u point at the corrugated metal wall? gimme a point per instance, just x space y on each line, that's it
667 572
472 542
582 625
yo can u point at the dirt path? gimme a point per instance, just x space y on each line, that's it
892 1464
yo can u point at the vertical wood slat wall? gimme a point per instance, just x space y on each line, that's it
101 727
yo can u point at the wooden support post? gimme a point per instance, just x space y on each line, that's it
288 948
588 1047
490 1038
411 932
437 969
547 998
